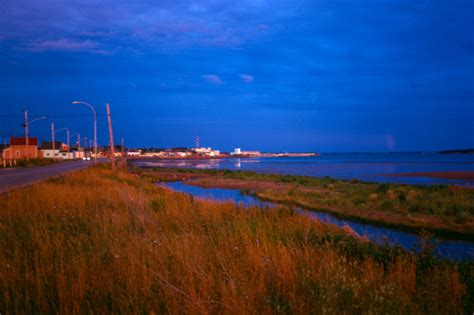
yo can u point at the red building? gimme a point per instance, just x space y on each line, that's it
19 149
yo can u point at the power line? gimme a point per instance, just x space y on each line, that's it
51 116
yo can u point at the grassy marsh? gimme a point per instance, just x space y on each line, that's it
443 210
98 242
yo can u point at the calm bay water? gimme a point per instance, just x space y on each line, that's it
455 250
361 166
370 167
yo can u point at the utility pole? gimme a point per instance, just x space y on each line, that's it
111 135
123 149
26 136
3 157
52 138
67 134
11 152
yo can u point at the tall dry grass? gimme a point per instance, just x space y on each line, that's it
95 242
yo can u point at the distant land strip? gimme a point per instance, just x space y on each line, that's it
459 151
462 175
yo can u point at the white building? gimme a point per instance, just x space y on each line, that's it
65 155
207 151
134 153
61 151
203 150
49 153
152 154
79 154
237 151
182 154
251 153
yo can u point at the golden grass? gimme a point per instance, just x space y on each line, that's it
443 210
95 242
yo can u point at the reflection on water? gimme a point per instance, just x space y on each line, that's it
364 167
238 163
456 250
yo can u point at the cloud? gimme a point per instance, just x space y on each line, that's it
247 78
103 52
213 78
263 27
141 25
63 44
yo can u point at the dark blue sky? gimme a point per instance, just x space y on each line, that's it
327 75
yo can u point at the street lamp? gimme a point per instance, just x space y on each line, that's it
78 138
36 119
26 125
67 135
95 126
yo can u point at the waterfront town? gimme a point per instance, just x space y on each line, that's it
29 148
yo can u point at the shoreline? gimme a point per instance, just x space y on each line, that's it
460 173
222 157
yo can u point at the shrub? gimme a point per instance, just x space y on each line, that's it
386 205
412 194
358 201
373 197
158 204
382 188
415 207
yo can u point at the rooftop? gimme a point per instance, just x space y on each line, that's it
22 141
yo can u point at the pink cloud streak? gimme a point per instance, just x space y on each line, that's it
63 44
213 78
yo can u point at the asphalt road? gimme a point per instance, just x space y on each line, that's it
14 178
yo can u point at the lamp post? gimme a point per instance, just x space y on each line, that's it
52 138
95 127
67 135
26 125
78 138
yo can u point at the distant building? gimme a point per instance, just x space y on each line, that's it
215 153
18 149
207 151
60 150
239 152
153 154
202 150
181 154
66 155
78 152
134 153
250 153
